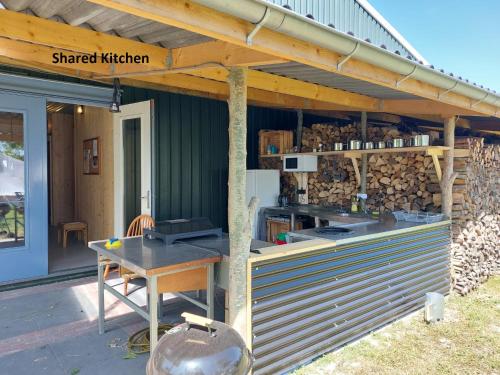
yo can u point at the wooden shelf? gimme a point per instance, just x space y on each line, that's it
357 153
433 151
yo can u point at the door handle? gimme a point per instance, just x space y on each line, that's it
147 196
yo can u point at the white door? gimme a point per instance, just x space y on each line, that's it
141 114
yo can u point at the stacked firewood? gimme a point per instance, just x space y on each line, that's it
476 215
394 181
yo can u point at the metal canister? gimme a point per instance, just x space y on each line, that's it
338 146
416 140
368 146
355 144
425 140
380 144
398 142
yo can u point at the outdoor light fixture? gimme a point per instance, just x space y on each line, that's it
117 95
79 109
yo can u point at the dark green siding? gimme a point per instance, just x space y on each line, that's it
132 168
191 142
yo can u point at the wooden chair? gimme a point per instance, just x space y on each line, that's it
136 228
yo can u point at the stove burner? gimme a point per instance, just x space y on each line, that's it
332 230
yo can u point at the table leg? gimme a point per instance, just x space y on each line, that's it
153 311
100 292
160 307
210 291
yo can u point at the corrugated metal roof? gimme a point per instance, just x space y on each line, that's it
350 17
99 18
322 77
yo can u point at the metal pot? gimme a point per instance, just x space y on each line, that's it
337 146
425 140
200 346
398 142
416 140
380 144
368 146
354 144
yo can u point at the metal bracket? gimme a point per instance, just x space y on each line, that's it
406 76
346 58
447 91
480 100
258 26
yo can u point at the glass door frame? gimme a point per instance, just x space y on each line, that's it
31 259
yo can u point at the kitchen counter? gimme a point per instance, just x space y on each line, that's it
324 213
314 295
317 212
365 231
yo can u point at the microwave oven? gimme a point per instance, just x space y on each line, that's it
300 163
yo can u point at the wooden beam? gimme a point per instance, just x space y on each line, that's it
422 107
199 19
75 40
222 53
80 41
289 86
42 55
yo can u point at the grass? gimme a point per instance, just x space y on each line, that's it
466 342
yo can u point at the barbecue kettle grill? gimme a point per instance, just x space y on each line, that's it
200 346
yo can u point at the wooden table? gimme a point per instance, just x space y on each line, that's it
152 260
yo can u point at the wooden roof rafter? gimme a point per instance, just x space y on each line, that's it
196 18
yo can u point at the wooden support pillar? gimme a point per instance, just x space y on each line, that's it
448 177
239 215
364 160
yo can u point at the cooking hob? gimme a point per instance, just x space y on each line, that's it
170 231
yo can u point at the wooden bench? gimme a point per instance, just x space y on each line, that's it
77 226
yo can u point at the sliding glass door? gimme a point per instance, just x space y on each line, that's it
23 187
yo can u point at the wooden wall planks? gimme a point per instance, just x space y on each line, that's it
94 193
62 174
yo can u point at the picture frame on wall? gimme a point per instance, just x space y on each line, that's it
91 156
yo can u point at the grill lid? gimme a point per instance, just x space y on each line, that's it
200 347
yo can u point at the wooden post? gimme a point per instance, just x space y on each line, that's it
364 161
239 215
448 177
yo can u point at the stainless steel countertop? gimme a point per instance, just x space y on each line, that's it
146 254
325 213
365 231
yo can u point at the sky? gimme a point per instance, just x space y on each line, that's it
459 36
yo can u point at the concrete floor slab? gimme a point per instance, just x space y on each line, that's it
52 329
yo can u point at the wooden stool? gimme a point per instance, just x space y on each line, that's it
64 228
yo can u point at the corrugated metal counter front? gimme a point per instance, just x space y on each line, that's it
306 303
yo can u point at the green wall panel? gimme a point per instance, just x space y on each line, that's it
191 150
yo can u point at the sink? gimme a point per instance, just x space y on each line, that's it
345 218
325 213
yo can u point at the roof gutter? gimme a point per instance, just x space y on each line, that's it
290 23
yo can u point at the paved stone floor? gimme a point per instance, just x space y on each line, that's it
52 329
